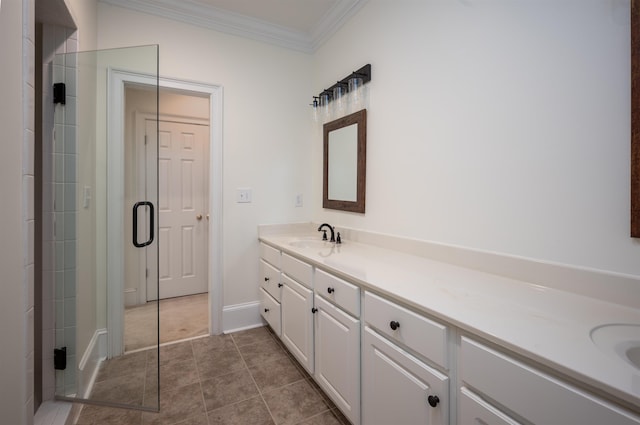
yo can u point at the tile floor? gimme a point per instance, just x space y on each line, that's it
242 378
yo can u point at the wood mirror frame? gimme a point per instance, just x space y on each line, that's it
635 119
359 118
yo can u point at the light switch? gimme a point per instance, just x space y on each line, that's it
243 195
299 200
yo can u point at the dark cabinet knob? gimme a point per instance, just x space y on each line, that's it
266 310
394 325
313 310
280 285
266 279
330 290
433 400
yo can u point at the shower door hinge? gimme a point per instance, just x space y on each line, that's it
60 358
145 139
59 93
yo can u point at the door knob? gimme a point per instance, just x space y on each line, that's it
199 217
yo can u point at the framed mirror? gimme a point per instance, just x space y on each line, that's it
345 152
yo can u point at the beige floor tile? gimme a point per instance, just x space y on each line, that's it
218 362
122 365
176 375
262 352
252 411
228 389
212 343
171 353
127 389
176 406
275 374
251 336
215 380
294 403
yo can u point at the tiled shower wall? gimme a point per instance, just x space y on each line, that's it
59 188
28 214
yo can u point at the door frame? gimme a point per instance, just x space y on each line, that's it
117 79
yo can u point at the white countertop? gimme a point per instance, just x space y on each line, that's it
544 324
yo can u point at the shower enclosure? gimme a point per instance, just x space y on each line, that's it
101 211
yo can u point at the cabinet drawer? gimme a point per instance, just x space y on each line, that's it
416 332
532 394
270 255
270 279
299 270
344 294
474 410
270 311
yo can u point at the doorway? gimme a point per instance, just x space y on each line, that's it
179 262
212 97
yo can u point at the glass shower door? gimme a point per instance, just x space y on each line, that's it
104 184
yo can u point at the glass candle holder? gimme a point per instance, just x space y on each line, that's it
324 108
356 94
339 101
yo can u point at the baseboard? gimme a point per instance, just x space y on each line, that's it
89 364
239 317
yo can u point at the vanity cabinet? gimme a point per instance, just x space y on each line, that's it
270 287
382 362
296 310
524 394
399 383
337 342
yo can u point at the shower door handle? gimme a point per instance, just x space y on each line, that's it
135 224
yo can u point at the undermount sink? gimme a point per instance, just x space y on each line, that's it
620 340
311 243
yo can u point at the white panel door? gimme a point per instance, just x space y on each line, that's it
182 210
297 321
398 388
337 357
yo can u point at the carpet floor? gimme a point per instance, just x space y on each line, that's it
180 318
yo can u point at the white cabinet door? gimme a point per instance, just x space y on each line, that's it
397 388
337 337
297 321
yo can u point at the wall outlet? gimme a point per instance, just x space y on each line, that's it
243 195
299 200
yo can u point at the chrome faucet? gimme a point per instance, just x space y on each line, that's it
324 235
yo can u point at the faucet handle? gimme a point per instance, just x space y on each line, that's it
338 239
324 235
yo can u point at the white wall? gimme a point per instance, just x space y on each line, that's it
266 134
14 327
494 125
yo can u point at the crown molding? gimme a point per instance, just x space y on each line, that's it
333 21
244 26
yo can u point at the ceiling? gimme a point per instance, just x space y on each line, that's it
301 25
